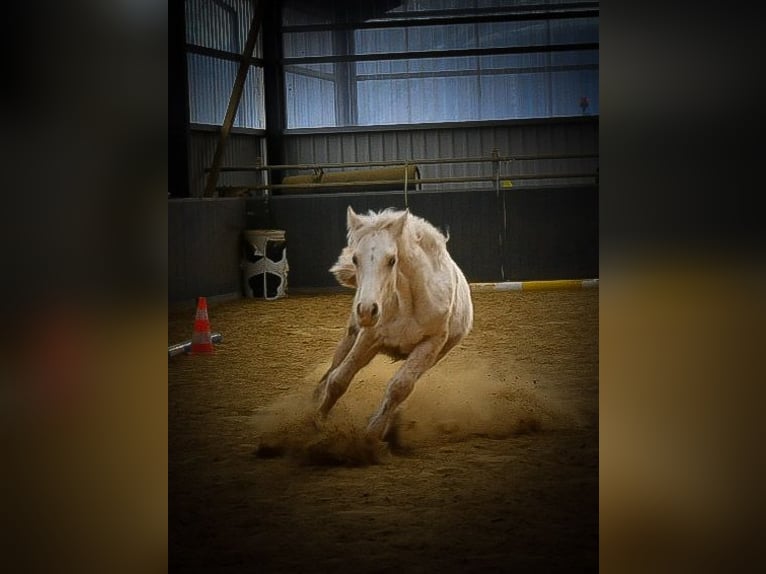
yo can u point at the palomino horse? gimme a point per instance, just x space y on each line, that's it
412 302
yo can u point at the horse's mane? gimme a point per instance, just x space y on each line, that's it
431 240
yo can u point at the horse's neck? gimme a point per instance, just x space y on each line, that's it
420 264
408 273
418 268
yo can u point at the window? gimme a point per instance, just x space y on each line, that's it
433 62
216 34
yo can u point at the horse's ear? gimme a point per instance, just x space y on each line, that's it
353 221
397 225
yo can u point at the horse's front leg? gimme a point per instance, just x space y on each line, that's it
422 358
341 351
364 346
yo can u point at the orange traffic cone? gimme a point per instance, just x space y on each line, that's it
202 341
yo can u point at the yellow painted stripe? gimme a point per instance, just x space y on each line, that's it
535 285
555 284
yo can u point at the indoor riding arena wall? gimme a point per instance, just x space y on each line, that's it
515 235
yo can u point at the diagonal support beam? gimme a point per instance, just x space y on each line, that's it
234 99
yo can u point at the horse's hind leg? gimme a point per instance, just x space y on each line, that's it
422 358
336 381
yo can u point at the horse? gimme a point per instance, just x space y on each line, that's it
412 303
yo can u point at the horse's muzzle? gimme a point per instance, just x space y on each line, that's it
367 314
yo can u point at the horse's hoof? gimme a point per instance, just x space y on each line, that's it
318 421
393 434
379 451
393 437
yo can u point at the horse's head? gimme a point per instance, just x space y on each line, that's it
373 245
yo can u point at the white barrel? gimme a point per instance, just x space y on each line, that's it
264 263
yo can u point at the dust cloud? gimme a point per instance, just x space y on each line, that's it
455 401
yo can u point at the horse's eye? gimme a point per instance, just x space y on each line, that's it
391 261
354 260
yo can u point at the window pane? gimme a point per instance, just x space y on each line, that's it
446 89
307 44
410 90
537 32
210 83
381 41
310 95
415 6
451 37
569 88
221 26
514 96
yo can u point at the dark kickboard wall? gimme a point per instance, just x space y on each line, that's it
204 247
525 234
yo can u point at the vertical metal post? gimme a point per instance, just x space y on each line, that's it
274 88
406 172
501 204
178 108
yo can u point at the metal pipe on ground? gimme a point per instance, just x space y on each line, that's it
185 346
